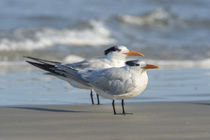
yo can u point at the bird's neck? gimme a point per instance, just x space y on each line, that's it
137 72
117 60
141 79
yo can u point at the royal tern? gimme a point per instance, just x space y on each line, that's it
118 83
115 56
114 83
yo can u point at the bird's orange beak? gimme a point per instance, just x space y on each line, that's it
150 66
132 53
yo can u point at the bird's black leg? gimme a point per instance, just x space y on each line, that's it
91 96
123 109
113 105
98 99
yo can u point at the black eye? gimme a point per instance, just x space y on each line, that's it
112 49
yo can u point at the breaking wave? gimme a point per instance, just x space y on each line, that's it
158 17
163 17
31 39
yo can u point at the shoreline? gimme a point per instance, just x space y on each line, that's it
150 121
118 102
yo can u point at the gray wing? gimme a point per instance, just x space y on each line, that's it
79 65
94 63
114 81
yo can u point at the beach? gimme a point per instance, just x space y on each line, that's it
150 121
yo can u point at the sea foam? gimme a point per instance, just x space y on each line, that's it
25 39
158 17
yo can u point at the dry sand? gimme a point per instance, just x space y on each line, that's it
150 121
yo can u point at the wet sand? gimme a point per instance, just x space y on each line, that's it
150 121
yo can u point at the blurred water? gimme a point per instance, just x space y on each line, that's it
161 29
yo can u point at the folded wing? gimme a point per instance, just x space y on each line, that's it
115 81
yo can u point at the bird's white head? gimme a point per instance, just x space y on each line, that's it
120 52
140 65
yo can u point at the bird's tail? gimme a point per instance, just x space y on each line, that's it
49 66
41 60
57 69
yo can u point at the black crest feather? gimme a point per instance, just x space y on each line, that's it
111 49
132 63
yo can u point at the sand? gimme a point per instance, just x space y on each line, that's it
150 121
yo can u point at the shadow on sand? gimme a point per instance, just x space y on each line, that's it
48 109
207 104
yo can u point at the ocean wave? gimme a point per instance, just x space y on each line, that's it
31 39
158 17
163 17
